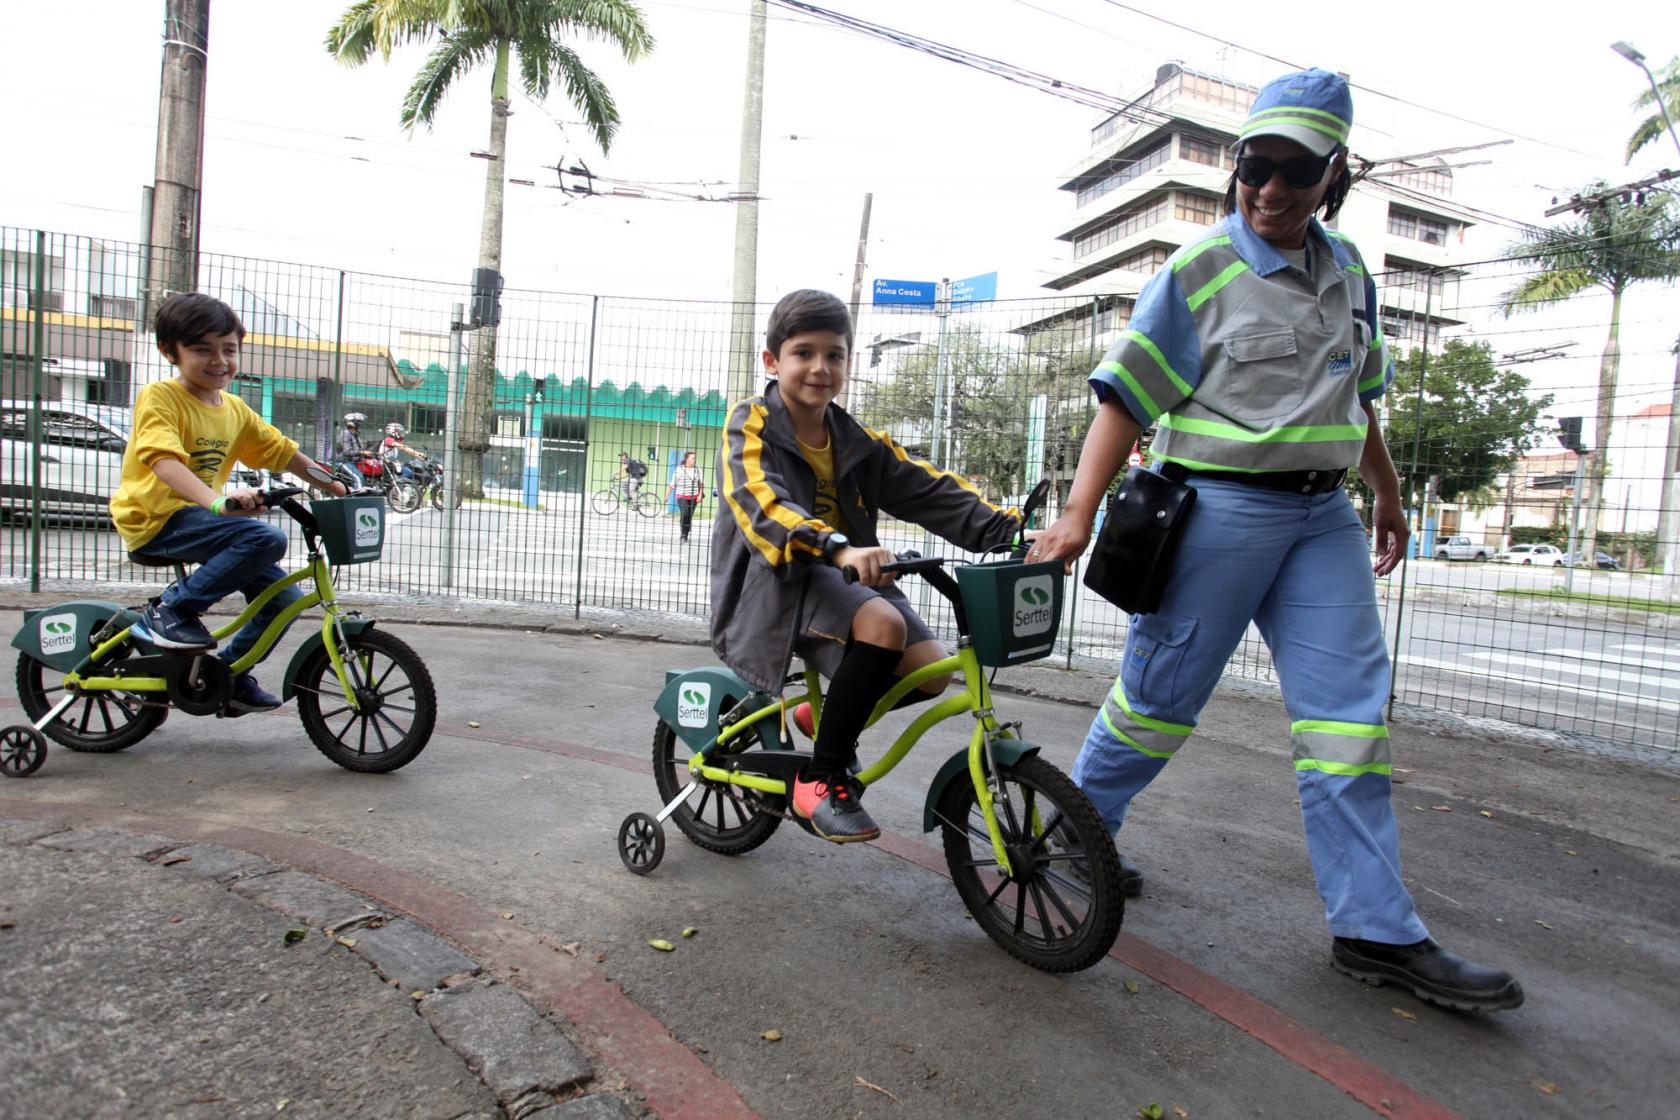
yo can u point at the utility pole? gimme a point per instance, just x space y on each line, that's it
743 378
179 173
857 291
1668 500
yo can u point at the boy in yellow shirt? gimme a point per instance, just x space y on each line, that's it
187 435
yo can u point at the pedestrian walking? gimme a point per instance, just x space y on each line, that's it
686 484
1257 355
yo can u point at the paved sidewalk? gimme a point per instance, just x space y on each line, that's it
150 978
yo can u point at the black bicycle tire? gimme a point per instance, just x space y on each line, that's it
648 504
311 689
37 701
1095 934
605 503
725 841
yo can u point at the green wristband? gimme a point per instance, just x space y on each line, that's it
218 505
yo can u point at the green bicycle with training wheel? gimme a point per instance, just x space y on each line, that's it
1028 853
364 696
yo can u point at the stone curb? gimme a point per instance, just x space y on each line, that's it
532 1068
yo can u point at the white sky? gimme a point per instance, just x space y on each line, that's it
306 162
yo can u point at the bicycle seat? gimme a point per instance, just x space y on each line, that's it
146 561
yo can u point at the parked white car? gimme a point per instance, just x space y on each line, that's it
1461 548
1532 554
81 457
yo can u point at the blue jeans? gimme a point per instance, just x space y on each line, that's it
1299 568
233 554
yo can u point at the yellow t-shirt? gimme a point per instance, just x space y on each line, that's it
828 498
171 422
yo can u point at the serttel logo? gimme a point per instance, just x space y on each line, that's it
367 527
58 633
694 704
1034 606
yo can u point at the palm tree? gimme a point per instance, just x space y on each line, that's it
471 33
1654 126
1615 243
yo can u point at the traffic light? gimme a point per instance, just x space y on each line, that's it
1569 433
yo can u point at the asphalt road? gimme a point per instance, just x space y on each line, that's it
1558 865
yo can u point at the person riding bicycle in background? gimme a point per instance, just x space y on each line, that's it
804 484
188 433
631 472
348 448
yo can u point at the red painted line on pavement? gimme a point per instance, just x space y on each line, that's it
676 1084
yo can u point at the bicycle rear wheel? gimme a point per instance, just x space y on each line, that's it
718 817
1060 910
98 722
647 504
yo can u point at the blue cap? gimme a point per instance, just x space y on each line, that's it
1311 107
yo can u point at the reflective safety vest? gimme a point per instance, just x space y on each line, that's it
1247 364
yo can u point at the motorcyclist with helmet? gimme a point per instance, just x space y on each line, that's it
348 448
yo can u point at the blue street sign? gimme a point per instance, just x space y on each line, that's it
975 289
904 291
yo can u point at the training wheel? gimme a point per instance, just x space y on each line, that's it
23 749
641 843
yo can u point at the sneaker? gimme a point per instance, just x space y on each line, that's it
249 696
831 805
168 628
1433 974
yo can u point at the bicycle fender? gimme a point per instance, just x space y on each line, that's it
352 627
692 699
1007 752
62 635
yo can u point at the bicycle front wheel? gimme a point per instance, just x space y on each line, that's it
604 502
396 704
1059 908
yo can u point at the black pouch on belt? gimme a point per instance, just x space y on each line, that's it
1139 539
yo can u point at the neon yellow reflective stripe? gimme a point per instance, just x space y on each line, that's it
1161 725
1211 288
1336 727
1344 769
1154 351
1128 740
1305 433
1355 269
1199 465
1198 249
1373 382
1131 383
1317 119
1377 341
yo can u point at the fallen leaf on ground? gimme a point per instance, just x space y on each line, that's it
1150 1111
877 1088
1541 924
1132 986
1180 1113
1546 1087
347 942
280 1105
1442 808
1420 808
417 995
771 1035
661 944
689 931
1409 1016
293 936
174 921
507 915
1485 813
173 860
472 723
1570 852
1403 770
570 947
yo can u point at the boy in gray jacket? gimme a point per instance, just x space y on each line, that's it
803 484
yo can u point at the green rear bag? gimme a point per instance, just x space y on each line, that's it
1014 609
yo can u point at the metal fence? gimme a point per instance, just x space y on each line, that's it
993 390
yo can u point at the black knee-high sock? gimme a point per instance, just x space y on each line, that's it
864 675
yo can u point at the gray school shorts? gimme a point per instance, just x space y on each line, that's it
830 604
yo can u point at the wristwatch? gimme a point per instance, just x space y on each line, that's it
832 544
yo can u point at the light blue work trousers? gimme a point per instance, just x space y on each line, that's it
1299 567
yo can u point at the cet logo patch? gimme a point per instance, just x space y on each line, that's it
1341 362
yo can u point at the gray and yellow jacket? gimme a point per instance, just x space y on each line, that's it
1247 365
765 535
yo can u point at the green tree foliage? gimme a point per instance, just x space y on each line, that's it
1475 419
1653 127
534 36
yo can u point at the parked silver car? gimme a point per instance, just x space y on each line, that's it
81 458
1461 548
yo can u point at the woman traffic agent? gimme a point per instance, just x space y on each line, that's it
1256 354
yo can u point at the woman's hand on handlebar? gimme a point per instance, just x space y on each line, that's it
866 563
1065 540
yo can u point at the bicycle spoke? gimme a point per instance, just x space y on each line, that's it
1043 912
378 684
1020 908
991 898
1050 830
361 747
379 734
1062 908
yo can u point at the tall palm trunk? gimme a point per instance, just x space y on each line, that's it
477 405
1609 368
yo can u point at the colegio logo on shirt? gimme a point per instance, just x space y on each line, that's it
367 528
1034 606
58 633
1341 362
694 704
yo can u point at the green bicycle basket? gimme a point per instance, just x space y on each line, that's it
1014 609
352 529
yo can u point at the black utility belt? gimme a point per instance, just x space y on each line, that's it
1291 482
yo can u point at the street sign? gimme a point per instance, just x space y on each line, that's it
904 291
975 289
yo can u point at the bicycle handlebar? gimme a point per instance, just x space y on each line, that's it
930 568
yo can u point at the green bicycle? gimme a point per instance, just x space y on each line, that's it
1027 851
364 696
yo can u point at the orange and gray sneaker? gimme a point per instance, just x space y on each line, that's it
831 805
